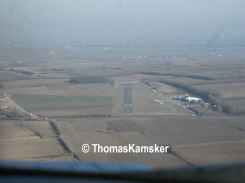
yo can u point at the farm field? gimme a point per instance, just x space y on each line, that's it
52 104
213 138
32 140
64 89
32 83
58 98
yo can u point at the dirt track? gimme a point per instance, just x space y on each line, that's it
33 116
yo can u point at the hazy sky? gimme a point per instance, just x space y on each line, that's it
92 20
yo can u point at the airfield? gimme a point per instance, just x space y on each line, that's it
48 110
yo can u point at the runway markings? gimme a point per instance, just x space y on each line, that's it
128 106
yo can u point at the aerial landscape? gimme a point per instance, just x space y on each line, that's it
49 110
56 96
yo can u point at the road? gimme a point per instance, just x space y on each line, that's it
128 106
17 106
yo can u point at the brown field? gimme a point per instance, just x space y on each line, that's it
65 90
215 139
166 89
102 111
19 141
32 83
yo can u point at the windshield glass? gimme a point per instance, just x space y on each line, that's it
157 83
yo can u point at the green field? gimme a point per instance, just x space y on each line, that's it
53 102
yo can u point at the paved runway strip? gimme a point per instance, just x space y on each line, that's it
128 106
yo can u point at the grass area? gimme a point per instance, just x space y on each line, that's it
53 102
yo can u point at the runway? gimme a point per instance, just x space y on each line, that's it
128 106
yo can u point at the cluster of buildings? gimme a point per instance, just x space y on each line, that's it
192 100
185 99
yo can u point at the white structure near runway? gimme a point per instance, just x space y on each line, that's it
193 99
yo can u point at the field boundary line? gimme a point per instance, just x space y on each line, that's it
210 143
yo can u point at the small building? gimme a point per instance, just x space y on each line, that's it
193 99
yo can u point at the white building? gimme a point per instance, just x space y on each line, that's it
193 99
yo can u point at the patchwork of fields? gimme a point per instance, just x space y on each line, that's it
77 109
30 140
